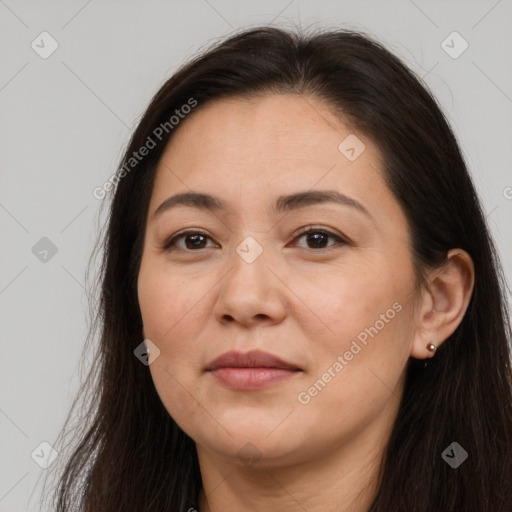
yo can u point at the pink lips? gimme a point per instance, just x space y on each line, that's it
251 370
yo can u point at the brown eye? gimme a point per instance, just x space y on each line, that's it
193 240
318 238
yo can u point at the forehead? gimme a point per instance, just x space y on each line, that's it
255 149
269 126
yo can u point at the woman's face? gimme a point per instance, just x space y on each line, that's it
336 304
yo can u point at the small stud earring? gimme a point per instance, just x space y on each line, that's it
431 347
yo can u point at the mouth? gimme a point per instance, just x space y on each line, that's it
251 370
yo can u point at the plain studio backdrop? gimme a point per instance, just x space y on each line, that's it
76 77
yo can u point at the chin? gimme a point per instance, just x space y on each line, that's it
253 451
263 442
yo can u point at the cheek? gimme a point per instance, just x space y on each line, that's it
170 310
173 317
358 375
169 303
361 355
346 299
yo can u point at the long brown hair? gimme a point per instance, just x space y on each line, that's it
128 453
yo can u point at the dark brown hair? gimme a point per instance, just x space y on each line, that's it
129 454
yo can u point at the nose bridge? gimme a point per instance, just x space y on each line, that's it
250 289
249 263
250 249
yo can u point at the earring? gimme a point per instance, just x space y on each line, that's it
432 348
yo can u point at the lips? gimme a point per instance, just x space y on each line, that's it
251 370
252 359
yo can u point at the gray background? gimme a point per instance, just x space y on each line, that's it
66 120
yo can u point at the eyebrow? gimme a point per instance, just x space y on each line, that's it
283 204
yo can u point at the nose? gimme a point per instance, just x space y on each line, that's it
252 292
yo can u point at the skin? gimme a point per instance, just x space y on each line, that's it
301 301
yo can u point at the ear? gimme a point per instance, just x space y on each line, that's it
444 302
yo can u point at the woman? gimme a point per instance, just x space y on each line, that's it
280 370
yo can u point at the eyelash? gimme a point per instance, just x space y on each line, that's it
169 245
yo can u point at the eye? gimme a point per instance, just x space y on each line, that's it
319 237
192 239
196 240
